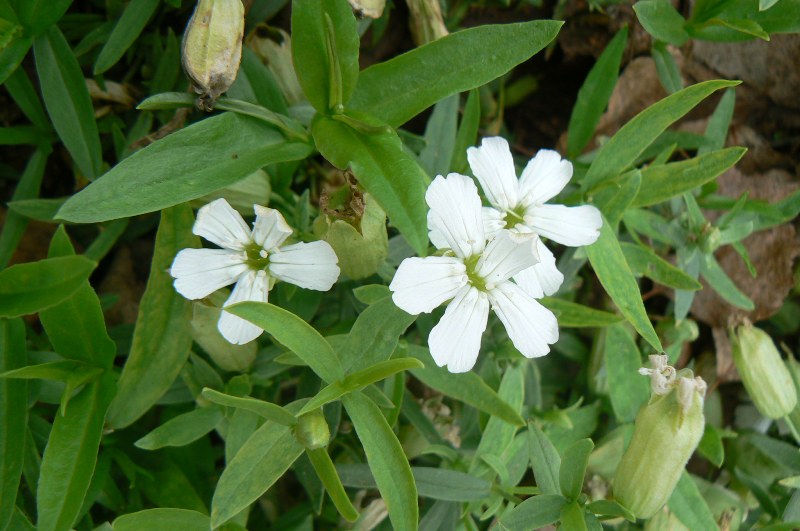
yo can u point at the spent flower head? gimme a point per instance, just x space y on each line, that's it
472 274
252 258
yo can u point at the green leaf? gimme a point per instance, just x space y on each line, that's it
386 459
161 338
359 380
572 517
12 55
644 262
545 460
397 90
324 468
616 277
633 138
70 456
76 327
162 520
533 513
295 334
627 389
573 468
717 129
689 506
440 137
182 430
722 283
572 314
434 483
610 508
374 336
27 188
668 72
40 15
615 199
384 169
27 98
35 286
594 94
467 387
67 100
746 26
260 462
128 28
662 21
263 409
185 165
763 5
467 132
54 370
711 446
663 182
13 416
325 53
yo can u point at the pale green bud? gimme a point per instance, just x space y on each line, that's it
763 372
274 47
361 250
312 430
666 433
368 8
427 23
212 48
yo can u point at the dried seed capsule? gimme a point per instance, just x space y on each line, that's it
212 48
763 372
666 433
312 430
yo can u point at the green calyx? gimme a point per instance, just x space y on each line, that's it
257 257
514 217
472 274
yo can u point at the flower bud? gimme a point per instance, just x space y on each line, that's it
763 372
212 48
666 433
312 430
274 47
427 23
362 245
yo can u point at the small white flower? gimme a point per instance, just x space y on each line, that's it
472 275
253 259
519 205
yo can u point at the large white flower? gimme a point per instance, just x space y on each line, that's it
472 275
520 205
253 259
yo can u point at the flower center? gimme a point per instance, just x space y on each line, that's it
515 216
257 257
473 277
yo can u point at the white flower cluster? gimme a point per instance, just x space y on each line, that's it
493 256
253 259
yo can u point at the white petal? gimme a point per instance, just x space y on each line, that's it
270 229
422 284
219 223
200 272
455 212
544 177
493 221
436 236
530 325
251 286
308 265
493 165
543 278
456 340
506 255
572 226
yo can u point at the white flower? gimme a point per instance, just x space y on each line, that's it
253 259
472 275
519 206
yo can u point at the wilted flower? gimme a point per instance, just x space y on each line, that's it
253 259
472 274
519 205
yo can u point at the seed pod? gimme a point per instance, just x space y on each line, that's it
212 48
763 372
666 433
312 430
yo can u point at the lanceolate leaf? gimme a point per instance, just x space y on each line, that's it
70 455
545 460
645 262
384 169
537 511
39 15
632 139
397 90
13 415
627 388
616 277
67 100
32 287
161 339
163 520
185 165
127 29
572 314
183 429
386 460
434 483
